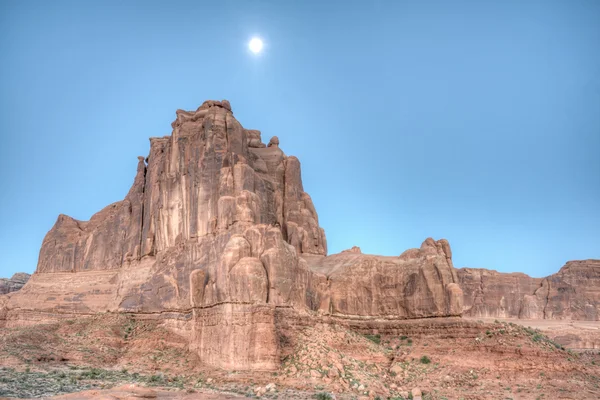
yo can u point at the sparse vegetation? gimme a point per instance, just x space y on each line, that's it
323 396
318 354
54 382
374 338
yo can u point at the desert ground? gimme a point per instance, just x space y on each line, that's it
117 357
576 335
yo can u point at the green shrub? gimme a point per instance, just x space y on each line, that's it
156 379
425 360
323 396
374 338
94 373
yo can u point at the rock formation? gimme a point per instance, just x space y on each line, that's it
573 293
13 284
215 236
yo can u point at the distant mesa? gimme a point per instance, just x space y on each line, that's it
573 293
16 282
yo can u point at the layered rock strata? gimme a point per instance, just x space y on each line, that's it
16 282
215 234
573 293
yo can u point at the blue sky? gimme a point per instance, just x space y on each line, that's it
475 121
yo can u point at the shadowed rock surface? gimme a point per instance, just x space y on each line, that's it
573 293
16 282
216 238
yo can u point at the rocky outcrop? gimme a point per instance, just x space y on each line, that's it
421 283
489 293
13 284
215 234
571 294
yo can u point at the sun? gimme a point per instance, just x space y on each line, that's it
255 45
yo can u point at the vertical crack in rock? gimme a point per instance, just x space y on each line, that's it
284 228
546 299
143 203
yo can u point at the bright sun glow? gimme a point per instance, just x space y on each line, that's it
255 45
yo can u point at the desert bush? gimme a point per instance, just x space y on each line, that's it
156 379
94 373
323 396
425 360
374 338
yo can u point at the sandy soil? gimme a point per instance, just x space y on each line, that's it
99 357
575 335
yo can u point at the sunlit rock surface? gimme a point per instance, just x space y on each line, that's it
573 293
214 237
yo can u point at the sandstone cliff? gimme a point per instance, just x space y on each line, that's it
16 282
214 236
573 293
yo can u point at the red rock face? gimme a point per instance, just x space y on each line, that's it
571 294
215 234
